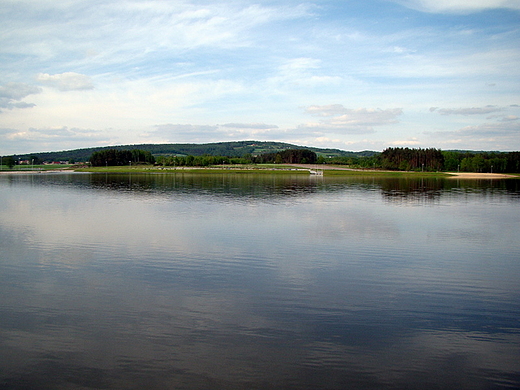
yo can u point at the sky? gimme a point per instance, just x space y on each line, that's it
353 74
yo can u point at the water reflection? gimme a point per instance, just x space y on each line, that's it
253 281
268 185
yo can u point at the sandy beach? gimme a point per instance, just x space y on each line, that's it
474 175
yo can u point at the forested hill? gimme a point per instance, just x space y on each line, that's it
231 149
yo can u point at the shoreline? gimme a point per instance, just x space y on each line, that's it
6 172
476 175
448 175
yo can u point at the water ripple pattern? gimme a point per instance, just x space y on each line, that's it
258 282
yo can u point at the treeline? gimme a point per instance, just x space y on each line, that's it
498 162
288 156
115 157
363 162
436 160
409 159
406 159
199 161
402 159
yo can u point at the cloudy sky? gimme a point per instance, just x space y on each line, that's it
351 74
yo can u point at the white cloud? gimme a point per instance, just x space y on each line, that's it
101 34
499 132
467 62
17 91
359 116
211 133
63 133
320 128
300 64
458 6
490 130
49 139
487 136
466 111
341 120
68 81
301 72
408 142
181 132
509 118
11 95
259 126
329 110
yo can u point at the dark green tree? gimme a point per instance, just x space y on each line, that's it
412 159
513 162
288 156
115 157
9 161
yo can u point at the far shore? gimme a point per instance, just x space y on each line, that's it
7 172
450 175
301 167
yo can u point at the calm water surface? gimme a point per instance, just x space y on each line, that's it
258 282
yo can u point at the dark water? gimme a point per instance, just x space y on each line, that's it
258 282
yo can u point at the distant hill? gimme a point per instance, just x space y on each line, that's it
231 149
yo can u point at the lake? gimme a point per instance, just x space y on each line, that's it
258 281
